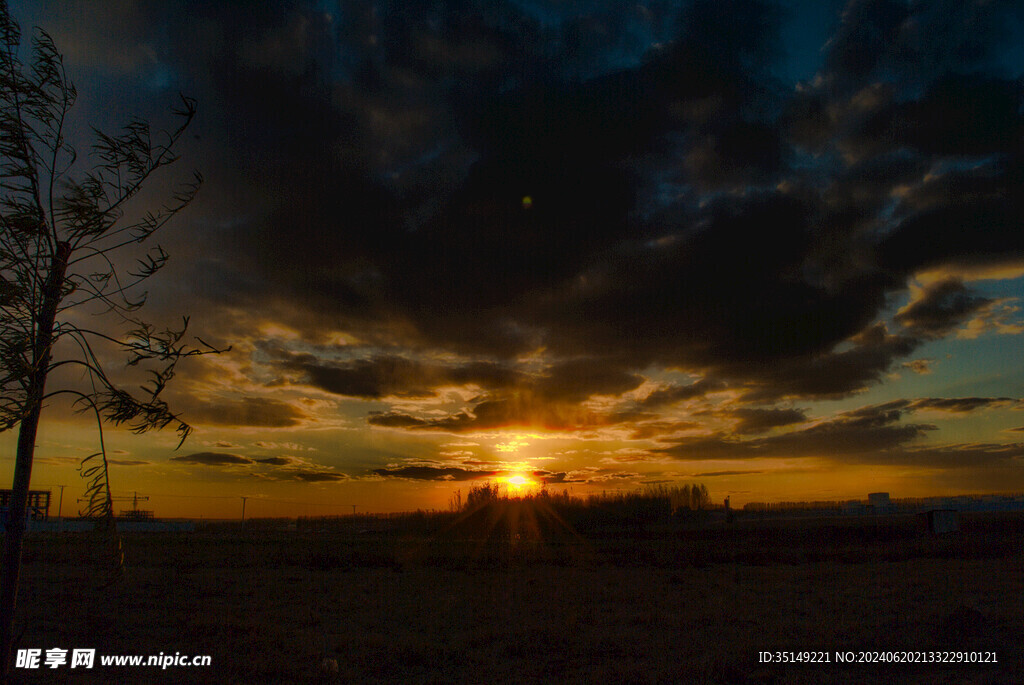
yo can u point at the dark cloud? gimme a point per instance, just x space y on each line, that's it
864 38
833 374
519 409
960 231
397 420
961 456
715 474
548 398
566 144
963 405
128 462
870 435
309 476
961 114
576 380
864 433
386 375
714 447
762 420
728 293
276 461
400 144
548 477
370 378
915 42
433 473
605 475
554 478
658 429
284 467
247 411
940 308
921 366
679 393
214 459
53 460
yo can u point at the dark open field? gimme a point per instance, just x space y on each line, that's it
662 604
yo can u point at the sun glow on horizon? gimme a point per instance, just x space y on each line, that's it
519 484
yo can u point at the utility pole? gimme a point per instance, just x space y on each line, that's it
60 502
243 508
353 508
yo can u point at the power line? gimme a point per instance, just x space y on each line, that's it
256 498
252 497
196 496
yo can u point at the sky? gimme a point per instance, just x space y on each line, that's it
773 248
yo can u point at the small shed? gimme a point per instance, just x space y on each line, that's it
940 521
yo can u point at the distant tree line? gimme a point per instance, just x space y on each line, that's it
692 497
488 509
791 506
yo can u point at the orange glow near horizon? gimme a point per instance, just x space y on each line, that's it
292 472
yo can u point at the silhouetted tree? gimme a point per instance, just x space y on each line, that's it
482 494
698 496
60 230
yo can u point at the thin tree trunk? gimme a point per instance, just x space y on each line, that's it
15 532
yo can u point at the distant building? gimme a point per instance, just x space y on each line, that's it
38 505
880 501
135 515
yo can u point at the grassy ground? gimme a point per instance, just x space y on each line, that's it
663 604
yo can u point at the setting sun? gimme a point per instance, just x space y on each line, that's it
518 483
